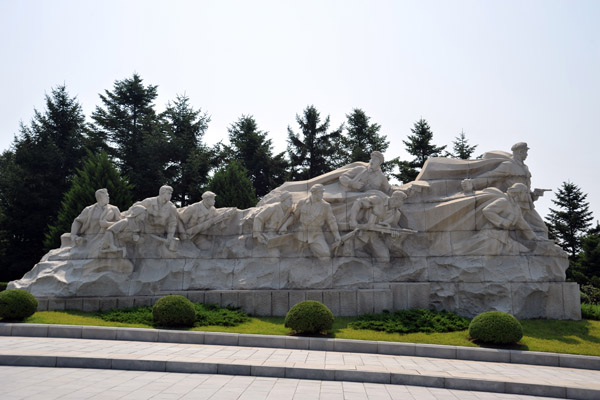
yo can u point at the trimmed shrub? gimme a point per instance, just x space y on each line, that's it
496 327
174 311
590 294
309 317
590 311
17 304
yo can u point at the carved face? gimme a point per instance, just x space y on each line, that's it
209 201
375 162
317 195
467 185
164 196
103 199
521 154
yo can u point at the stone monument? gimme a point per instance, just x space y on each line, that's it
463 237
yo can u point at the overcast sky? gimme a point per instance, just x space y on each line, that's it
502 71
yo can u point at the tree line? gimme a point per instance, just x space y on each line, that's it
58 160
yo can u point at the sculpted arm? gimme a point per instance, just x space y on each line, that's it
493 213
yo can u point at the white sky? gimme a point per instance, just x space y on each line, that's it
504 71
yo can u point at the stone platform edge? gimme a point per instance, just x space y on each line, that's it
302 343
524 300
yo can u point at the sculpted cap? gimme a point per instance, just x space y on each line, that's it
317 188
378 154
518 146
208 195
518 188
100 192
165 188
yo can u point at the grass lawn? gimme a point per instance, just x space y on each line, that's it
573 337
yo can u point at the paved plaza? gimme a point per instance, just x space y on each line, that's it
76 383
110 369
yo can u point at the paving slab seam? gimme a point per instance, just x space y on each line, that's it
305 343
343 375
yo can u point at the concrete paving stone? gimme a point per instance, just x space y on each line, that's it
265 370
297 342
416 380
535 389
474 384
434 350
42 304
123 302
137 334
27 360
107 303
65 331
56 304
90 304
142 301
322 344
309 373
233 369
99 332
5 329
477 354
355 346
84 362
191 367
362 376
32 330
583 394
139 365
396 349
74 304
583 362
218 338
250 340
534 358
188 337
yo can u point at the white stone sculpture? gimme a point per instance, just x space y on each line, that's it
162 217
464 236
94 219
364 178
273 220
314 212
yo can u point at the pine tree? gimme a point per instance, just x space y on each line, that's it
233 187
313 153
461 147
569 224
129 121
361 139
189 159
253 150
97 172
589 257
419 145
34 175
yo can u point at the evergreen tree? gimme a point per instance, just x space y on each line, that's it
34 175
419 145
233 187
313 153
253 150
129 121
461 147
361 139
97 172
569 224
589 257
189 159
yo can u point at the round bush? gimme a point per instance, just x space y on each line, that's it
496 327
174 311
309 317
17 304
